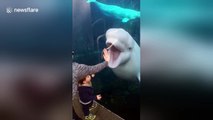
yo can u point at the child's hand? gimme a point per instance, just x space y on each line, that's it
98 97
106 55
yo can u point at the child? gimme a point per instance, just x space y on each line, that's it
86 96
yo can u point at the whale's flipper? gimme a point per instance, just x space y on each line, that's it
89 1
124 20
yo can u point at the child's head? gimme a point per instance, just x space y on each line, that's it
87 79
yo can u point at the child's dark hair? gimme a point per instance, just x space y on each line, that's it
81 81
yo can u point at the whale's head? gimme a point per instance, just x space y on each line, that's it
120 45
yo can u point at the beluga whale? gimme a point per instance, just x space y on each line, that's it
124 54
124 14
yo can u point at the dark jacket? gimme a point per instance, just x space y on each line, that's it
86 94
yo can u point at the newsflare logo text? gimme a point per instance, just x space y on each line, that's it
22 10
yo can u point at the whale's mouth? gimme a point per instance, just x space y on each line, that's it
114 55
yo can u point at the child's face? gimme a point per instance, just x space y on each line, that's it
89 78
